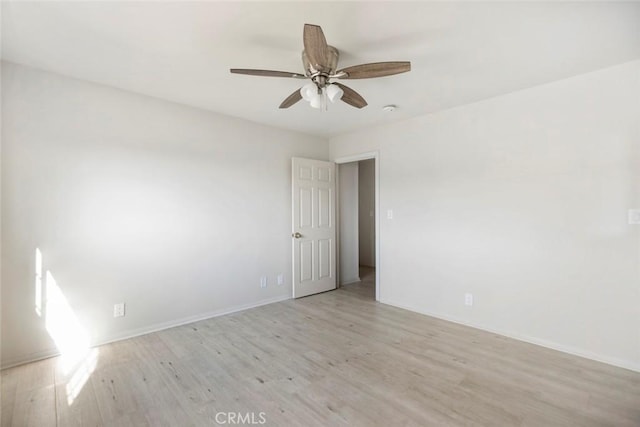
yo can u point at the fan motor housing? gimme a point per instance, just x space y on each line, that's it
328 69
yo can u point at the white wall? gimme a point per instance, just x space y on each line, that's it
521 200
0 227
348 217
175 211
366 211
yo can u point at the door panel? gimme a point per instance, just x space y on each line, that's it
305 207
325 174
324 207
314 230
324 258
306 261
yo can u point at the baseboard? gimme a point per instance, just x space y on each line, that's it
132 333
350 281
525 338
31 357
186 320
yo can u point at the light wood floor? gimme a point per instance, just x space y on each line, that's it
333 359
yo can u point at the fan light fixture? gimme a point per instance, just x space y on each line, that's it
308 91
317 96
334 93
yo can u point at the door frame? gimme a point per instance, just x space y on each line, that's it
375 155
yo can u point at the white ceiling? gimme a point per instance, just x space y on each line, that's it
182 51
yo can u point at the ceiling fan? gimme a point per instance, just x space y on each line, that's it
320 62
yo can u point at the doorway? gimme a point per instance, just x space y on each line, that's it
358 236
367 223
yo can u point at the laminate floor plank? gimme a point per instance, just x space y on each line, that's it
35 407
333 359
8 393
33 391
79 408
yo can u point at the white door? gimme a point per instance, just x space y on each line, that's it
314 227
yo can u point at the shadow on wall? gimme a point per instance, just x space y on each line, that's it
77 361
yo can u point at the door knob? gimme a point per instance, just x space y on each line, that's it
296 235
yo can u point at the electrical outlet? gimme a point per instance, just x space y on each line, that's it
263 282
280 279
389 213
118 310
634 216
468 299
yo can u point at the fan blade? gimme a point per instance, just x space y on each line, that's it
291 99
315 46
351 97
375 69
267 73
